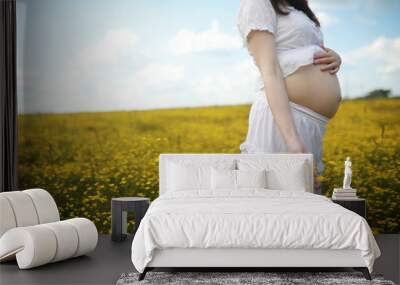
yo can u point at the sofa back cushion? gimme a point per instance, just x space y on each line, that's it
26 208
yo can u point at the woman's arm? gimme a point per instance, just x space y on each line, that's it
261 45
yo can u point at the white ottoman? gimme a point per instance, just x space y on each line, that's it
31 230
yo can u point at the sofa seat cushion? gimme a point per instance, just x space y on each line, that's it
40 244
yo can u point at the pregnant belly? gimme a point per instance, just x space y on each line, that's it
315 89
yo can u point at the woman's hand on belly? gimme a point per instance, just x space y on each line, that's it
329 58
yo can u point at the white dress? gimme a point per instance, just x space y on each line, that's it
297 39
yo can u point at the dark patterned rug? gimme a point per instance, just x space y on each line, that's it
236 278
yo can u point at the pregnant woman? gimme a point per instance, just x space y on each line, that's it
298 90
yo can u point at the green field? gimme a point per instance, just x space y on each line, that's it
85 159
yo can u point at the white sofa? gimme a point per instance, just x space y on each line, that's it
31 230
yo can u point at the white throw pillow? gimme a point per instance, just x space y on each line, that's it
229 179
190 174
223 179
251 178
282 174
188 177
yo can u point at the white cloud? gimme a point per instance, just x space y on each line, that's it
326 19
115 45
320 10
186 41
375 65
96 89
385 51
371 5
233 84
156 75
109 74
334 4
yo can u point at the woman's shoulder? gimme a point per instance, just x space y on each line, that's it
266 3
256 6
256 15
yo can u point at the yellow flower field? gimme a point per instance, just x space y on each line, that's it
85 159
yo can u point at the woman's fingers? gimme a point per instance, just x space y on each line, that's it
333 71
329 66
329 59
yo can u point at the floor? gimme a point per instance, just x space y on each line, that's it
103 266
110 260
389 262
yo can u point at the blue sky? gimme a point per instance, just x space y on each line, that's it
101 55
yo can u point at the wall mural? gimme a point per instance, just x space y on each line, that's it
104 87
